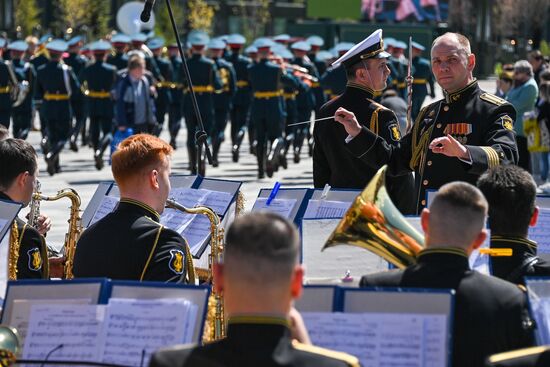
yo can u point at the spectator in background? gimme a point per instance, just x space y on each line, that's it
523 97
543 119
536 59
134 106
504 83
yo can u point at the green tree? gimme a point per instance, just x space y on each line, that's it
97 19
26 16
74 15
200 15
163 26
255 17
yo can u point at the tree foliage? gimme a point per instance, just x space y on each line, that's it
255 16
200 15
26 16
163 26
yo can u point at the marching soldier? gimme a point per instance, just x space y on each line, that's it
316 43
222 98
55 82
164 83
333 164
98 80
282 39
176 107
306 99
204 75
240 110
77 62
398 67
267 110
334 80
6 83
24 71
120 44
422 78
37 59
454 139
138 44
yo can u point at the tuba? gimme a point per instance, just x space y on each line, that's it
375 224
75 226
215 324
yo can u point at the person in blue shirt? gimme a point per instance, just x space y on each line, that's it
523 97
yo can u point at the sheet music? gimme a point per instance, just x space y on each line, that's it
541 232
21 311
326 209
218 201
283 207
133 327
77 328
106 206
382 339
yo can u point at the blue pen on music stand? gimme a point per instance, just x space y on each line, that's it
273 193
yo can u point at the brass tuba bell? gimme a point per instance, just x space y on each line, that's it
375 224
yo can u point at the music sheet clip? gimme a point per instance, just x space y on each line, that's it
273 193
325 192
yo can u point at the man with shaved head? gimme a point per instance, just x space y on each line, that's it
454 139
490 314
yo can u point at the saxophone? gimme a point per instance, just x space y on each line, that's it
75 225
215 320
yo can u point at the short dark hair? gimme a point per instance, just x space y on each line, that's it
262 248
16 156
350 70
511 193
457 213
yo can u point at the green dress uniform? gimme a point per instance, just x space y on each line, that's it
130 244
523 262
176 106
55 83
164 90
99 79
242 100
253 341
77 62
267 111
22 114
204 75
38 60
5 98
32 262
334 82
479 120
118 60
422 77
223 100
490 314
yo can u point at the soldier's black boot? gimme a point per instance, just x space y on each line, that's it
192 160
237 146
215 151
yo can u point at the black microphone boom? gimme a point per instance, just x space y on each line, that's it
146 13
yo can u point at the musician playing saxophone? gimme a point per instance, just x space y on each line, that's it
130 243
18 173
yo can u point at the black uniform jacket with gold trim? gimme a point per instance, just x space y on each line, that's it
333 164
527 357
523 262
33 254
252 342
131 244
490 314
479 120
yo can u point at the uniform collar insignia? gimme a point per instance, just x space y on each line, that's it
504 240
459 94
362 87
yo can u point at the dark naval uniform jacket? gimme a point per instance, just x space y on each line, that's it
131 244
5 99
479 120
523 262
250 342
334 82
243 95
333 164
32 262
119 60
490 314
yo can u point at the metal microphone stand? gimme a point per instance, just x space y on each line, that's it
200 136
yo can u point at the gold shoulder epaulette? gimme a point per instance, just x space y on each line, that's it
348 358
500 357
491 98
